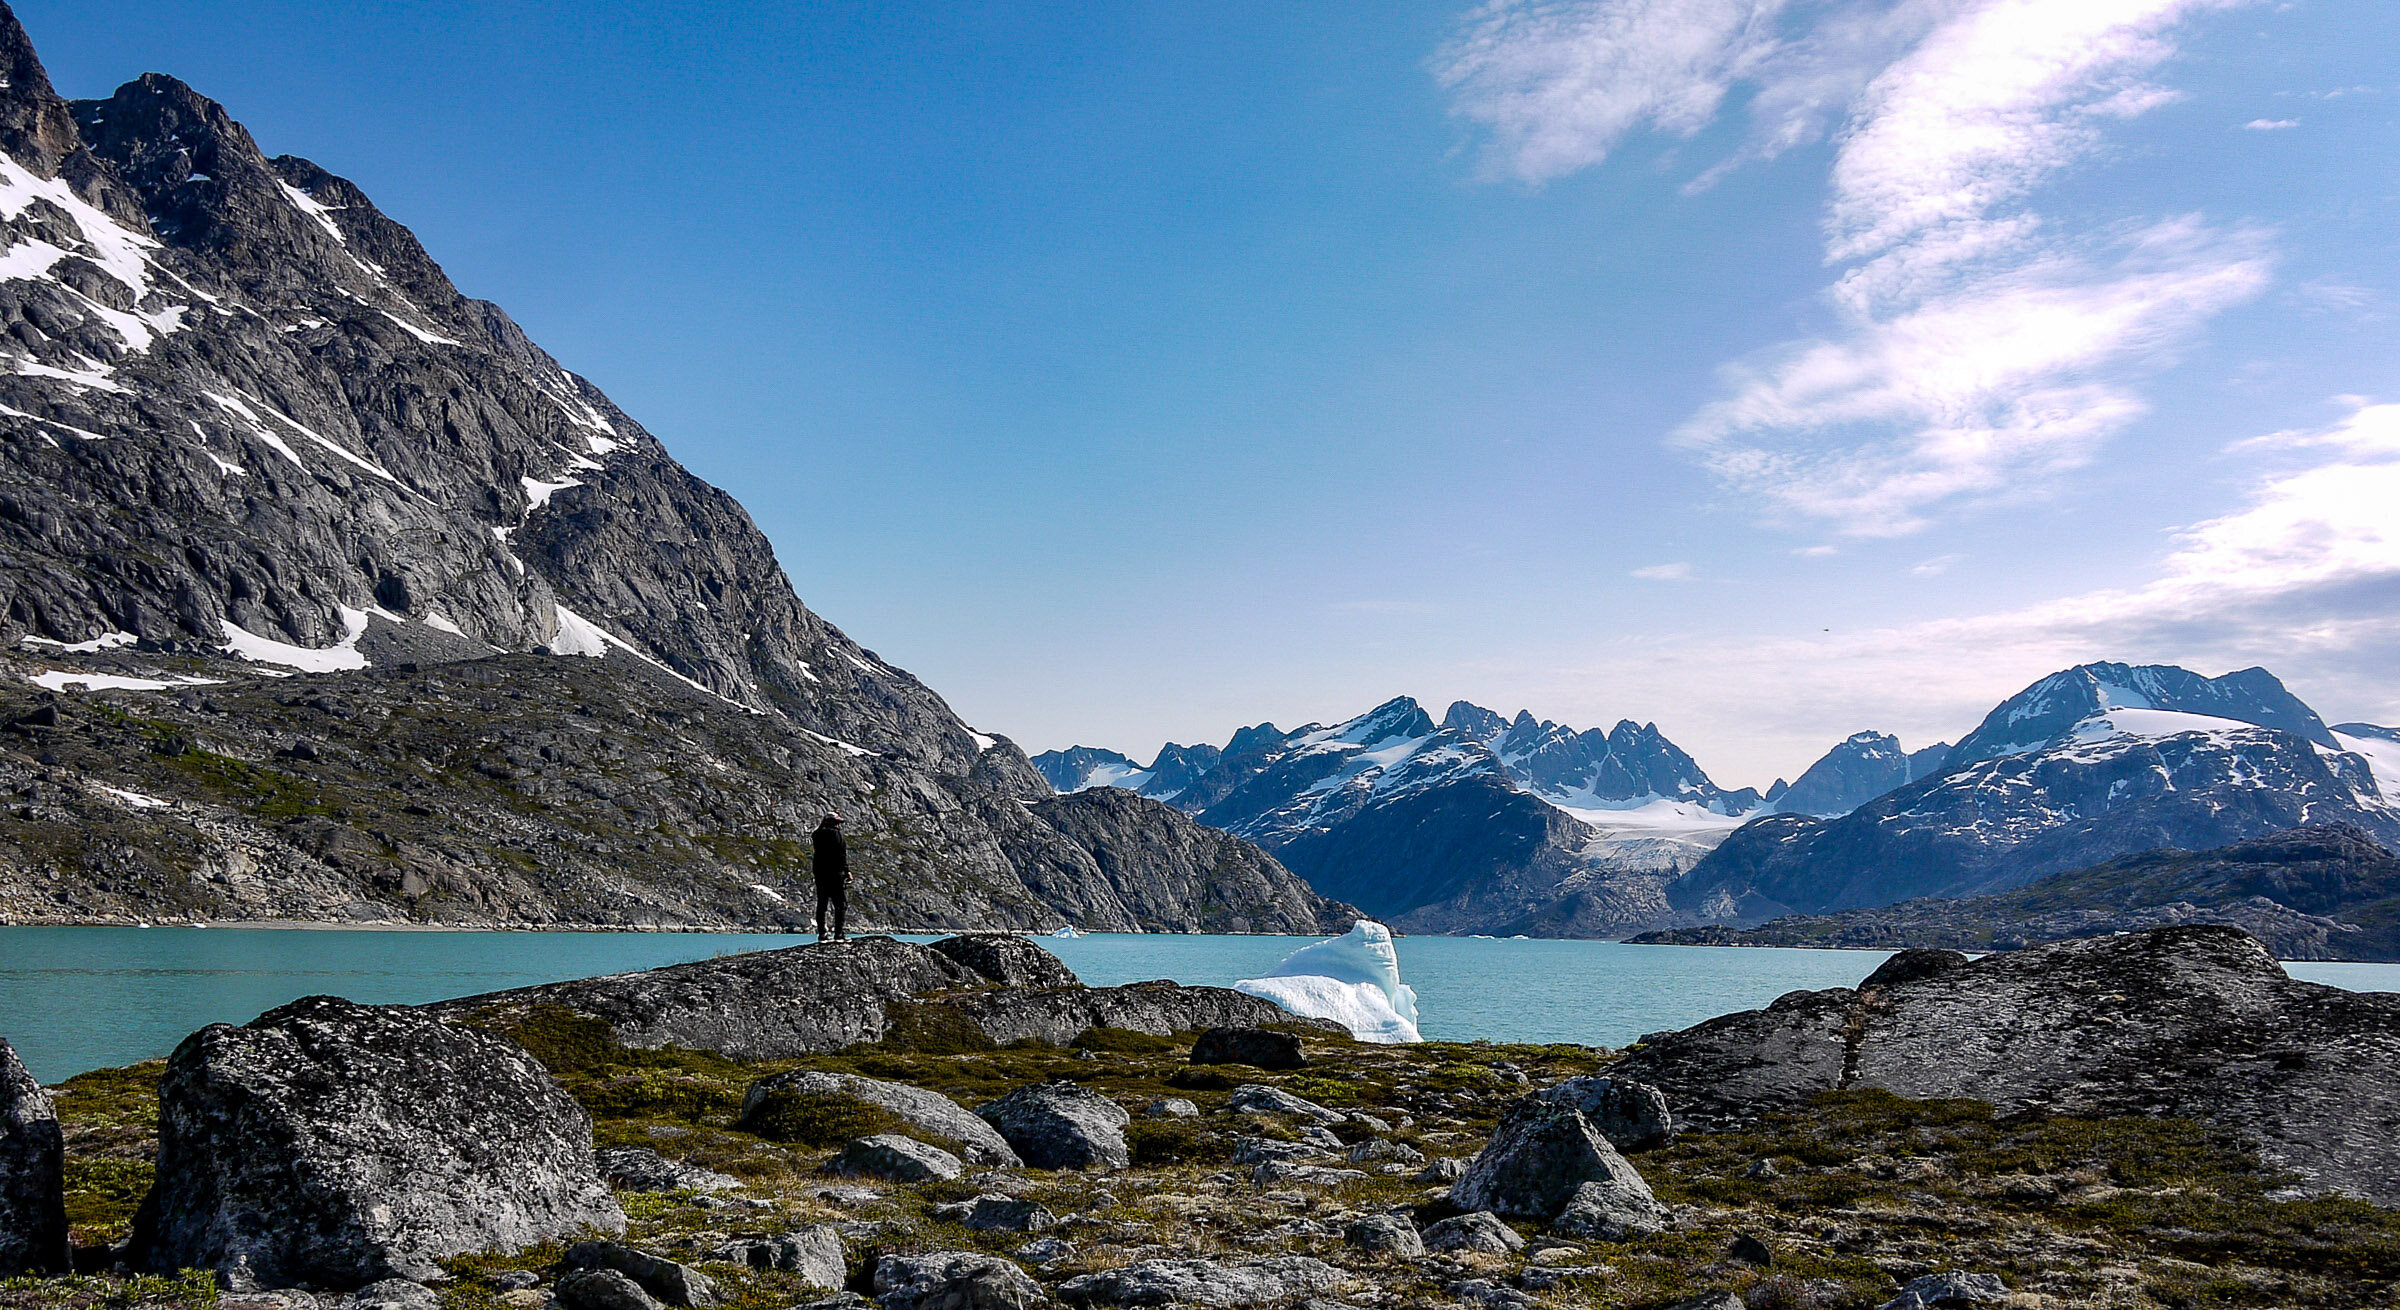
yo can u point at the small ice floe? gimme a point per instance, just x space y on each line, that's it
1068 931
1353 979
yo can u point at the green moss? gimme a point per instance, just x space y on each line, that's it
1123 1041
194 1288
818 1119
927 1029
1200 1080
564 1041
102 1195
1156 1143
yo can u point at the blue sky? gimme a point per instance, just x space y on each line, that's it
1769 369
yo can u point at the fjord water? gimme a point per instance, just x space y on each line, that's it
73 999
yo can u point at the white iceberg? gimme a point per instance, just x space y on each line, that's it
1353 979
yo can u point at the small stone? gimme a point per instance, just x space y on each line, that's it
1170 1107
1259 1048
1043 1252
901 1159
814 1253
1258 1098
640 1169
1377 1149
1763 1170
1751 1251
1369 1122
928 1112
1268 1281
1386 1234
1480 1231
516 1280
671 1283
1442 1169
1710 1301
1279 1173
1956 1288
1009 1215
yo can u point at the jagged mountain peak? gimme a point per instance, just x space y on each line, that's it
2048 710
1471 720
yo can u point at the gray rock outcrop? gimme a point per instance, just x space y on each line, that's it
672 1283
1386 1234
1269 1281
1008 960
1540 1158
927 1111
1258 1098
1062 1125
602 1289
329 1144
640 1169
900 1159
953 1280
2197 1023
1477 1230
814 1253
1162 1009
33 1217
1632 1116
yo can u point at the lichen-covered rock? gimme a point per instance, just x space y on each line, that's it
391 1294
1260 1048
640 1169
1258 1098
1008 1214
1632 1116
1951 1291
1062 1125
2195 1023
1278 1173
670 1282
1478 1230
927 1111
814 1253
1170 1107
1537 1158
1008 959
1611 1210
953 1280
603 1289
1268 1281
33 1217
900 1159
1386 1234
330 1144
1059 1015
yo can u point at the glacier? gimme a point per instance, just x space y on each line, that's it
1353 979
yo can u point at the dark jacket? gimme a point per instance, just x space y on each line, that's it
832 857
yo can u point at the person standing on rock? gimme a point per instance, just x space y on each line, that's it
831 860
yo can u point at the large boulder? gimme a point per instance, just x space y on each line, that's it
670 1282
1008 959
1258 1098
928 1112
1479 1231
326 1144
953 1280
814 1253
1059 1015
1273 1280
2193 1022
1261 1048
1632 1116
1062 1125
1538 1157
33 1216
900 1159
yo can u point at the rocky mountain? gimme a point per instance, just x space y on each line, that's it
252 440
2326 892
1478 823
1861 768
2062 795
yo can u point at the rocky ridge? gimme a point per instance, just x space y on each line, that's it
255 445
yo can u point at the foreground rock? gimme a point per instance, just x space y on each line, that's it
1008 960
327 1144
814 1253
900 1159
1202 1282
1632 1116
1546 1161
1061 1125
928 1112
2197 1023
953 1280
672 1283
33 1217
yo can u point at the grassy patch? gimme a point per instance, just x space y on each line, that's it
816 1119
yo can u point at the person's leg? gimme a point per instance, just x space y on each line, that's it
824 896
841 912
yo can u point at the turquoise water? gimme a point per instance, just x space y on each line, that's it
73 999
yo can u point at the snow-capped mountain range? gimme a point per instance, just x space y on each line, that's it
1481 823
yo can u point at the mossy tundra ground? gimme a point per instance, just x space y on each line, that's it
1864 1191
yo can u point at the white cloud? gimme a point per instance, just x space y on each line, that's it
2303 578
1976 350
2270 124
1934 567
1677 572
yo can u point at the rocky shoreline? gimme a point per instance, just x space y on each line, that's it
963 1125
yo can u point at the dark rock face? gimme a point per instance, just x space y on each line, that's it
927 1111
248 418
33 1217
1061 1125
1008 960
1540 1157
2323 892
1858 770
1158 867
1257 1047
2196 1023
953 1280
329 1144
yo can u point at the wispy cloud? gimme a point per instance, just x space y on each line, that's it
2270 124
1934 567
1977 348
1677 572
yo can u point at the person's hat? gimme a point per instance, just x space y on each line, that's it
832 817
